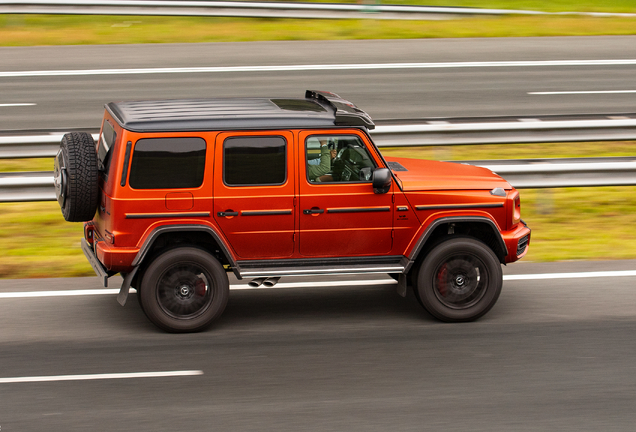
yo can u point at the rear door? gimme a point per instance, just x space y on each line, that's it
254 192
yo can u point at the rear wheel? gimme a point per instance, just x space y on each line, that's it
459 280
75 177
184 290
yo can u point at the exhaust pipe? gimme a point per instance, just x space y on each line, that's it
270 282
255 283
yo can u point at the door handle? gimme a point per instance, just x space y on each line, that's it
227 213
313 211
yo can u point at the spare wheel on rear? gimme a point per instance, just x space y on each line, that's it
75 177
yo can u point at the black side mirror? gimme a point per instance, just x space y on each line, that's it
381 180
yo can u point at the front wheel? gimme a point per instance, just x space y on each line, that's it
184 290
459 280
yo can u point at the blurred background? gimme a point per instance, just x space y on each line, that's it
520 83
572 223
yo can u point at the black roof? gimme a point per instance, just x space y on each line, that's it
317 109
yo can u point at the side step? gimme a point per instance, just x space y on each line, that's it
320 266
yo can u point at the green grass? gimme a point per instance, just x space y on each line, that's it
567 223
624 6
32 30
37 242
580 223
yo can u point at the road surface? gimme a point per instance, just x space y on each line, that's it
391 79
554 354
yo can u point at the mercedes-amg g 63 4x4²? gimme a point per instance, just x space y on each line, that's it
177 193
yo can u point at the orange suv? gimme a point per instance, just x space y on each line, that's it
178 193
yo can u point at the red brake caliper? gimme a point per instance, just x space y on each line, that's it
441 280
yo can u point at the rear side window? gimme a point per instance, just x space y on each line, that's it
168 163
253 161
105 146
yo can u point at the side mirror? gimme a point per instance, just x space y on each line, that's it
381 180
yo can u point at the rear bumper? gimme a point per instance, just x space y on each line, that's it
517 242
98 267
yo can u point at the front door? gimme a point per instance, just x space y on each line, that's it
340 215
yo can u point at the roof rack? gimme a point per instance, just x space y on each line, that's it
317 110
346 113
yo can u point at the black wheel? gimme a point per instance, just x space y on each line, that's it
75 177
459 280
184 290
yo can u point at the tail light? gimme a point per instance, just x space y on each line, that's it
109 237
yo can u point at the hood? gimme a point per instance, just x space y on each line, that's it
419 174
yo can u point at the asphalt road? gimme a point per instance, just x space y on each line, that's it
476 89
554 354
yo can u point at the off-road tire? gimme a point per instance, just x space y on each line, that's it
459 280
76 177
184 290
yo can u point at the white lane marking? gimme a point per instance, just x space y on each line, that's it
622 273
583 92
99 376
111 291
16 104
64 293
321 67
317 284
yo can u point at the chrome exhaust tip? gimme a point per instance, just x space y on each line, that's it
270 282
255 283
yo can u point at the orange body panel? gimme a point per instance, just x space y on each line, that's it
354 221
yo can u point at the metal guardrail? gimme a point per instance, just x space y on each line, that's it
32 146
259 9
522 174
423 132
535 173
558 173
506 131
27 187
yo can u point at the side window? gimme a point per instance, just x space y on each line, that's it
254 161
105 146
168 163
338 158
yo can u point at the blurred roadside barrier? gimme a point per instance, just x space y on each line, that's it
32 146
26 187
421 132
522 174
530 173
259 9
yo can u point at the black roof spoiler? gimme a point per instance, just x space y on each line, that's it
346 113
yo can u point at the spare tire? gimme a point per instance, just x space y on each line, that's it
75 176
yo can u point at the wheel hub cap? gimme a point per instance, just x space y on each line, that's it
460 281
461 284
185 292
